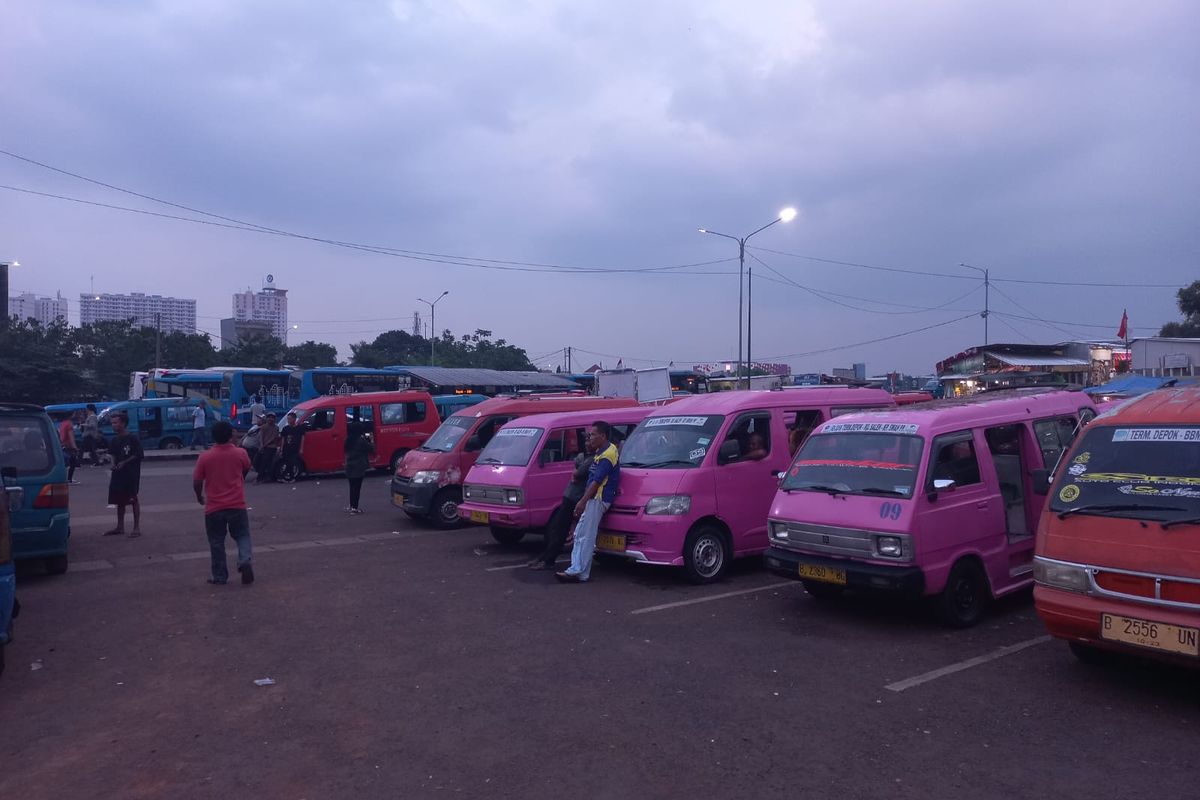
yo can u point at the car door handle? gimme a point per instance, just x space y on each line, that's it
981 504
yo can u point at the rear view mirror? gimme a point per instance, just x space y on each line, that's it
1041 480
730 449
943 485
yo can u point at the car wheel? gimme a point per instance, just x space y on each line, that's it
56 565
445 508
962 603
823 591
170 444
394 464
506 535
705 555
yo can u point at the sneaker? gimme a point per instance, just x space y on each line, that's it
72 483
247 573
356 511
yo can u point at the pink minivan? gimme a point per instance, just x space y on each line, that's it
938 499
697 476
519 477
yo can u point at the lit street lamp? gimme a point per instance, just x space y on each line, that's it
433 321
786 215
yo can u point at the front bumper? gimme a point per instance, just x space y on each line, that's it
415 498
907 580
515 517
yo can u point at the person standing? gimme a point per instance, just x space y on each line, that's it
258 412
91 434
604 476
199 421
269 441
66 437
291 446
359 448
564 515
222 471
126 477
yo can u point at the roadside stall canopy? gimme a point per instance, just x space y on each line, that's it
1130 385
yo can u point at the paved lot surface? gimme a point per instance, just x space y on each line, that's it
414 663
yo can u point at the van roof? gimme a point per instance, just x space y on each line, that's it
153 401
1176 404
403 395
539 403
986 408
567 418
741 400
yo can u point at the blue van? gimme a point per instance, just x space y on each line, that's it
160 423
35 479
447 404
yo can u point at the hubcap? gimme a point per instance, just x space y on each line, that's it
964 596
707 555
450 511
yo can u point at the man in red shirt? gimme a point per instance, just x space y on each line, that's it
66 436
222 471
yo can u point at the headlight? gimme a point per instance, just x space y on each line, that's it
672 504
889 546
466 492
513 497
777 529
1060 575
426 476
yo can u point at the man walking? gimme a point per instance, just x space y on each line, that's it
199 420
126 479
221 471
291 445
91 434
66 437
604 476
258 412
269 441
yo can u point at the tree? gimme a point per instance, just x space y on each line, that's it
194 350
109 351
1188 299
392 348
311 354
254 350
39 365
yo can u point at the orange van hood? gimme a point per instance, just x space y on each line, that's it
1132 544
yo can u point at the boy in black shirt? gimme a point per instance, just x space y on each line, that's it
291 439
126 478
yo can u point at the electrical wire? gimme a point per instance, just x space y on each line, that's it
869 341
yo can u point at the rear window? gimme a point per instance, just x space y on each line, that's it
1144 472
27 443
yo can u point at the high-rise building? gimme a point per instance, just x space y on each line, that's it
43 309
269 304
145 310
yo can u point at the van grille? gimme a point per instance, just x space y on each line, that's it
827 539
1159 589
479 493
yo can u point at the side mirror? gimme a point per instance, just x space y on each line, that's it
943 485
1041 480
730 449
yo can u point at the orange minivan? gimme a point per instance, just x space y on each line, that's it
1117 558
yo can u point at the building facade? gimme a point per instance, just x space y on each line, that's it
1165 356
145 310
38 308
266 305
233 330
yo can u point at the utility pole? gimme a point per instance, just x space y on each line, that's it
987 290
157 341
569 359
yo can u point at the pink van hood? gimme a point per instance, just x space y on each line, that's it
862 512
639 485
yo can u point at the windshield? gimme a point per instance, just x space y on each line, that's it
511 447
26 443
670 442
1138 471
448 434
857 463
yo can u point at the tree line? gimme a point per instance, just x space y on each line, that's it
59 363
1188 299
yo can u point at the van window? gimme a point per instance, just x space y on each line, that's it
857 463
180 414
952 457
752 435
25 443
319 420
670 441
799 425
400 413
513 446
1054 436
563 444
487 429
363 413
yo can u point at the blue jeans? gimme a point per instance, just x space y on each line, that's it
585 539
237 521
199 438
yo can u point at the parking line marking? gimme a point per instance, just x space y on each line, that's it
712 597
917 680
90 566
523 564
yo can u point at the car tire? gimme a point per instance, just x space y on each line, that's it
963 602
506 535
823 591
56 565
444 513
705 555
2 649
394 463
170 444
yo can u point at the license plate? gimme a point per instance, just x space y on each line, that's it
1151 635
611 541
479 516
397 499
815 572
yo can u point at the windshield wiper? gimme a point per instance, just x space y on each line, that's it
632 464
820 487
1116 507
672 462
880 490
489 461
1183 521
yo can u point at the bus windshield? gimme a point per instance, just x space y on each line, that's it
511 447
675 442
856 463
449 433
1143 472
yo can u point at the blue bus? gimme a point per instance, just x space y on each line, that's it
239 386
447 404
307 384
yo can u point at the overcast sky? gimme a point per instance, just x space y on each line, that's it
1044 141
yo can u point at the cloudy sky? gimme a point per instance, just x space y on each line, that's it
1046 142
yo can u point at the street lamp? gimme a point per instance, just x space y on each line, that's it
433 321
786 215
4 265
987 286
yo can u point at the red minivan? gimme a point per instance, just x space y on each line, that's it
428 481
399 422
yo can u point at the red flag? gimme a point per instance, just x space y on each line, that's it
1123 331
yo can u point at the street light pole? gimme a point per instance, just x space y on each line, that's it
987 286
787 215
433 321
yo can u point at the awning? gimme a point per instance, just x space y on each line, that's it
1038 361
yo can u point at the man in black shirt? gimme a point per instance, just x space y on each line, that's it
126 477
291 442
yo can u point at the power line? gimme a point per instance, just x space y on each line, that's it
869 341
